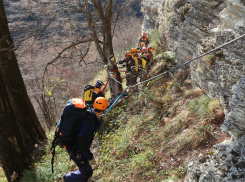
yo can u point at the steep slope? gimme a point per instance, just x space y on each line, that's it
154 133
190 28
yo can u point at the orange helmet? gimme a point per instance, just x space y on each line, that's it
100 103
133 50
142 44
144 32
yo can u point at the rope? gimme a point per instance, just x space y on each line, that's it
189 61
167 71
105 85
114 78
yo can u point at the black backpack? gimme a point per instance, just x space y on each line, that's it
66 129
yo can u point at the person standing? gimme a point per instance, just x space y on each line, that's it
143 39
80 151
97 90
135 64
126 60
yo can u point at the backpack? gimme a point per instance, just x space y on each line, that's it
144 61
88 93
66 129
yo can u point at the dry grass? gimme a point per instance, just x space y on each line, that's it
194 93
189 139
160 66
160 123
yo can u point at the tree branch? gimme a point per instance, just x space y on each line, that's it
118 16
84 55
60 53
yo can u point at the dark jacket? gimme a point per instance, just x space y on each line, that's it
86 132
132 62
126 60
144 39
97 93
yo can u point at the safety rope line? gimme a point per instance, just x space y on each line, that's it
111 75
166 71
188 61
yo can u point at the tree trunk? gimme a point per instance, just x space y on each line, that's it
106 52
115 86
22 110
14 155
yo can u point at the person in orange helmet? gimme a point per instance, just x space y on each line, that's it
126 60
144 39
80 151
135 65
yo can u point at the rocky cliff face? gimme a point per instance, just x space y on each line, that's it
190 28
228 161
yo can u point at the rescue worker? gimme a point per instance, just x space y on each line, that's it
145 60
135 64
150 55
126 60
140 48
144 39
144 51
80 151
97 90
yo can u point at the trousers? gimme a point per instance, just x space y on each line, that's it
83 173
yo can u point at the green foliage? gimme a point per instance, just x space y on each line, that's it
154 38
42 170
200 106
50 86
211 153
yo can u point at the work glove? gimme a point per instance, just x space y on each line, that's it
92 162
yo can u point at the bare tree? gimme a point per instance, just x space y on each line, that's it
20 128
101 21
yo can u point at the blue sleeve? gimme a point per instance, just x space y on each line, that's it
85 138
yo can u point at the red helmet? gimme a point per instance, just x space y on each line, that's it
150 49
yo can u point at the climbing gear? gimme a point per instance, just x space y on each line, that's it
119 97
103 91
88 93
144 61
66 129
136 64
100 103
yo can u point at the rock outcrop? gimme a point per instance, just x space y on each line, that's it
228 161
152 10
190 28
